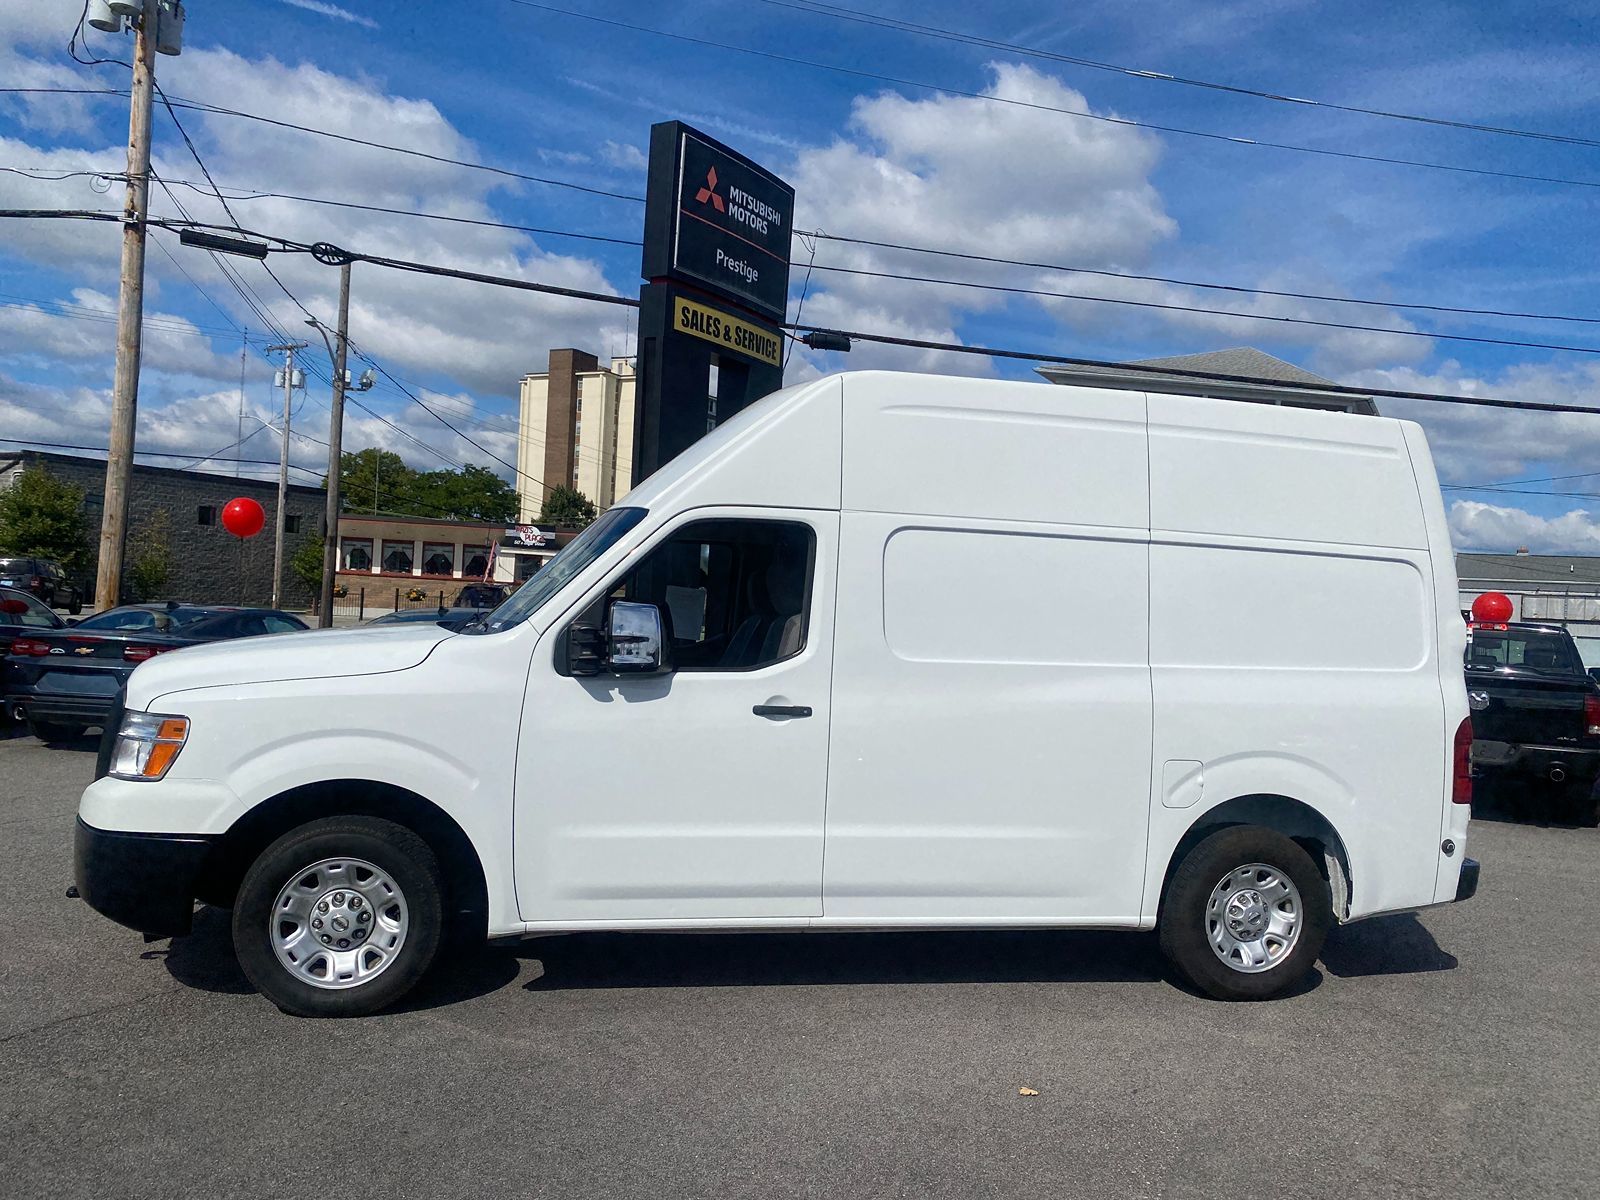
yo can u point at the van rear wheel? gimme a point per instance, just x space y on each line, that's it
340 917
1245 914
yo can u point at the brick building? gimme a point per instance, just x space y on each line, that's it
209 565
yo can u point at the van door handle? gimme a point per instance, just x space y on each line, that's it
782 710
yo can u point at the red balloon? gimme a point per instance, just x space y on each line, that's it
1493 608
243 517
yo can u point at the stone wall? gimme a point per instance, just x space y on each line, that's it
209 565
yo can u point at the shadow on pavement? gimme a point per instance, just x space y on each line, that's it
1382 946
205 960
1393 945
642 960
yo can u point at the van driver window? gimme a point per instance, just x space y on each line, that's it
734 594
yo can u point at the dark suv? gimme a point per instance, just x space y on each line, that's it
43 578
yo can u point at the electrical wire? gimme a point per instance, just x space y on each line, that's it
1216 312
845 14
1231 288
897 81
925 344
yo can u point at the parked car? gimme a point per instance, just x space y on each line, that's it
450 618
825 669
482 595
20 612
1535 715
44 578
61 681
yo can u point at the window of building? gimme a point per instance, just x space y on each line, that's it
291 523
438 558
734 594
355 554
397 556
206 514
477 560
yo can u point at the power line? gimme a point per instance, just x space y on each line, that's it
1196 283
930 31
920 343
1216 312
219 110
245 194
897 81
257 194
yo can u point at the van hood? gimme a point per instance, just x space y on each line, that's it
277 657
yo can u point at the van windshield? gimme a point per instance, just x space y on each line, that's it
582 550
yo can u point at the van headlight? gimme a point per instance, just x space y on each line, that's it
147 744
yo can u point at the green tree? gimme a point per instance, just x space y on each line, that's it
471 494
150 556
567 507
374 480
42 516
307 566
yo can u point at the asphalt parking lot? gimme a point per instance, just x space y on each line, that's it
1450 1054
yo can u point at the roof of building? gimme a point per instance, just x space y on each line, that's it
1244 361
211 478
1529 568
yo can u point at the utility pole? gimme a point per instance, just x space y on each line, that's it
288 349
130 314
330 544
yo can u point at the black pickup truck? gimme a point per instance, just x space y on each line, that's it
1535 716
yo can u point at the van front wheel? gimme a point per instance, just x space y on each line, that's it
340 917
1245 914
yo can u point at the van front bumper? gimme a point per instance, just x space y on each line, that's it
145 881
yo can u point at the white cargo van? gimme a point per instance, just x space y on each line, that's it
884 651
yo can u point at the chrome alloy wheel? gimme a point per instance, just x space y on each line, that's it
339 923
1253 918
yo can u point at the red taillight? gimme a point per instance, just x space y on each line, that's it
140 653
1591 714
1461 780
30 646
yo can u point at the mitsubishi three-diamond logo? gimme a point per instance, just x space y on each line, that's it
708 194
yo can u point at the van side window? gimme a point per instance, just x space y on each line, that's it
734 594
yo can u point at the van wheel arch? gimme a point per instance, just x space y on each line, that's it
1293 818
467 903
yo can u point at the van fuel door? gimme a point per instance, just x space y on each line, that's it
1182 782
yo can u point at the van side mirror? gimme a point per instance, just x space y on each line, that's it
637 639
632 641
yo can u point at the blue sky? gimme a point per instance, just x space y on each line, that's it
551 94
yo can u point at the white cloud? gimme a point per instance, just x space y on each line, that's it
1491 529
977 177
625 155
334 11
1477 445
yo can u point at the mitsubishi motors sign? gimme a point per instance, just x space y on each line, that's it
716 219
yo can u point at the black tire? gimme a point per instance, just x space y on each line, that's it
55 731
393 849
76 607
1184 918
